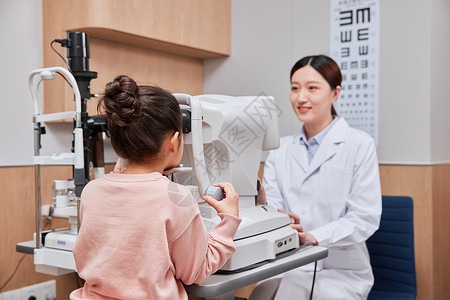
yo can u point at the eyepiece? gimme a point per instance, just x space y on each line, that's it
78 51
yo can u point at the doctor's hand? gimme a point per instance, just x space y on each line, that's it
230 202
261 199
303 236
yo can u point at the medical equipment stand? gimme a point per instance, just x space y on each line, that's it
75 159
52 256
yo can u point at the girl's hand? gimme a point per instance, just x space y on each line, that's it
229 204
303 236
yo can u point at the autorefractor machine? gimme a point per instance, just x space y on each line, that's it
225 143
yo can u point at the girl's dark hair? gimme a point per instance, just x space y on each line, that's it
139 118
326 67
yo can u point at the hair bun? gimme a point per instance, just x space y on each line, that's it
121 84
121 100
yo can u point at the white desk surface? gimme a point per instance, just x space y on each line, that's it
218 284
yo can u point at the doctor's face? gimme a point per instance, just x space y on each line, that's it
312 97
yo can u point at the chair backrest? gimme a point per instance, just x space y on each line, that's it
391 250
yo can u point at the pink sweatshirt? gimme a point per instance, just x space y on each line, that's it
142 237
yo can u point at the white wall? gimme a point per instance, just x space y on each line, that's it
261 52
440 81
20 52
269 36
404 95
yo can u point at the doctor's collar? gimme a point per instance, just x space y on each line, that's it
318 138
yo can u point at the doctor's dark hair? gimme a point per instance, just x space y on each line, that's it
139 118
326 67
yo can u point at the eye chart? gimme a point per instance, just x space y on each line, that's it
354 45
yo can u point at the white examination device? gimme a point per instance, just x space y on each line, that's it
225 143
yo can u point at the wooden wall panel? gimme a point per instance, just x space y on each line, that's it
429 186
140 38
198 24
177 74
416 182
17 224
174 73
441 230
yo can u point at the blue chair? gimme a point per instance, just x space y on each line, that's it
391 250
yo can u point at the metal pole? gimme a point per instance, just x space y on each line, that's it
37 183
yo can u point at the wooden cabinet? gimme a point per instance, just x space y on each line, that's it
160 42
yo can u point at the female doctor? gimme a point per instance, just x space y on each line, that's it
326 178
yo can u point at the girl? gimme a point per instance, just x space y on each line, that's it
326 178
141 235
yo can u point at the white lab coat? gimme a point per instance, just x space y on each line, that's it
338 200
